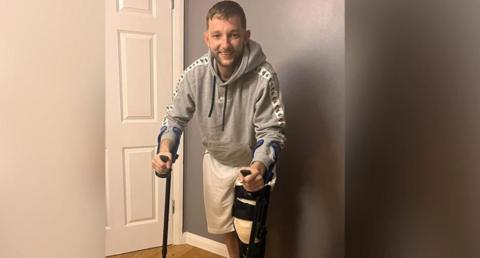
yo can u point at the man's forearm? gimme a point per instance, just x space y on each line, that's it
165 145
260 166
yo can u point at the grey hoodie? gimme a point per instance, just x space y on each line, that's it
239 118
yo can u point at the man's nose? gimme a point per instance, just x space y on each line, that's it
225 43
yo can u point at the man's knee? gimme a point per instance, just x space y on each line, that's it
249 211
243 219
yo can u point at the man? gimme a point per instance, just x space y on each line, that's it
234 93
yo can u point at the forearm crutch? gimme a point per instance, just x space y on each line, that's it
165 174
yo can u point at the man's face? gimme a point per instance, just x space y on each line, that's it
226 39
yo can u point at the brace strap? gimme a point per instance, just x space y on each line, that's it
243 210
240 192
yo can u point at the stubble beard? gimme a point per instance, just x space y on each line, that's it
235 62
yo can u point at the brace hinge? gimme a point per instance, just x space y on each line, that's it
173 206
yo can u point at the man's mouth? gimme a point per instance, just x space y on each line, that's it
226 54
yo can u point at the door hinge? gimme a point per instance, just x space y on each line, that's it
173 206
172 4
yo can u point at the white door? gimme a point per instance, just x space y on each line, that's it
139 75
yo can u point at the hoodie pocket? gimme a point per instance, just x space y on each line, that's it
230 153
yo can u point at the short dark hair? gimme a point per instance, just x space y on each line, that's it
225 10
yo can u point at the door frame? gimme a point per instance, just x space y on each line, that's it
178 13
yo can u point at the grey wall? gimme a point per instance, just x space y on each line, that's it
304 42
52 144
414 138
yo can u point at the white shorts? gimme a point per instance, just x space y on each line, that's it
218 194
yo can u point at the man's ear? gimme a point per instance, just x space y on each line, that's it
205 38
247 35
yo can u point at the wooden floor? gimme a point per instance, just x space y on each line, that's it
184 251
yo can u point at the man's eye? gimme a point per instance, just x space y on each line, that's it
216 36
235 36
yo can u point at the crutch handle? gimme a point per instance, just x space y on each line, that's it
245 172
167 171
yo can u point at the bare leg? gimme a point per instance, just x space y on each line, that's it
232 244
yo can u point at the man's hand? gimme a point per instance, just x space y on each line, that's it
253 182
159 165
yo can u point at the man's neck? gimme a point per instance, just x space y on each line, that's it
225 73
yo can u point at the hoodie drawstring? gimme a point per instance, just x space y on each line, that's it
213 95
224 107
213 101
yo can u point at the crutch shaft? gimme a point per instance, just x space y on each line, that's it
165 216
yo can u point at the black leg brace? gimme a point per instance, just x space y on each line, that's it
255 248
258 215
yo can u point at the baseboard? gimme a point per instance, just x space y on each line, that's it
205 244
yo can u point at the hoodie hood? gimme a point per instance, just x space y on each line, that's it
252 57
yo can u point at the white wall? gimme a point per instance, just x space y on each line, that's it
52 129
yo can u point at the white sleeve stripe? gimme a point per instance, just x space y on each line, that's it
274 95
200 61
